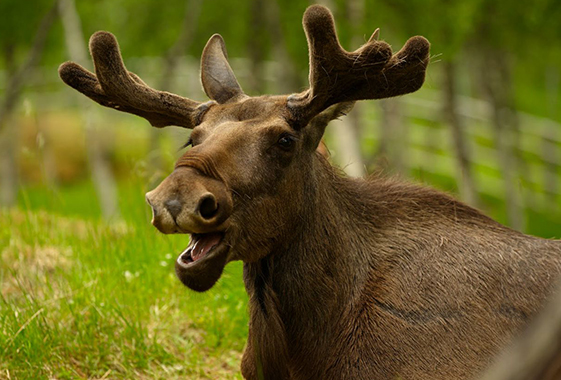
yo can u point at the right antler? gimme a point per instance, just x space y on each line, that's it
370 72
115 87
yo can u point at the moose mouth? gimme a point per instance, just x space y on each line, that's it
201 264
200 246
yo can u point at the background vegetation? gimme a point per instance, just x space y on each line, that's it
87 288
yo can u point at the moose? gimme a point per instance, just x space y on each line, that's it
347 278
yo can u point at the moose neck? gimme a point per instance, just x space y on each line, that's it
311 279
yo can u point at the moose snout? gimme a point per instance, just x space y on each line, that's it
174 207
187 202
207 207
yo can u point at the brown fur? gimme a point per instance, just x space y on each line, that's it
347 278
536 354
431 289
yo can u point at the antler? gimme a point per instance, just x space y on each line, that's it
115 87
370 72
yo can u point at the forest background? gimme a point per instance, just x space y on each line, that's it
87 285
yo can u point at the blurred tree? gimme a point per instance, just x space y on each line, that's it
393 136
544 24
100 167
287 79
171 62
350 135
10 45
499 28
549 147
451 24
257 47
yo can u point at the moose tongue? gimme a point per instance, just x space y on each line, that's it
204 244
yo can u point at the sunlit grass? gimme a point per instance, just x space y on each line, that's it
81 298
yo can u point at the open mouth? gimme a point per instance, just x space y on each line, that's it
200 246
201 264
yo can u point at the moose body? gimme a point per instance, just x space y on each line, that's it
347 278
426 288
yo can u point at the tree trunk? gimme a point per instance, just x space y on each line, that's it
347 152
8 144
393 137
8 126
549 147
256 47
172 59
9 164
287 79
97 151
495 82
16 82
466 182
46 153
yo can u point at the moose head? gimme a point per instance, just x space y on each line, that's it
244 181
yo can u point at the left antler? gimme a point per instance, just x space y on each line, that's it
115 87
370 72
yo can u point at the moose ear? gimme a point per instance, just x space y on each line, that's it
217 77
316 127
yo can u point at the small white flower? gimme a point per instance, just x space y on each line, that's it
128 275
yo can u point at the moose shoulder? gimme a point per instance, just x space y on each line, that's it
347 278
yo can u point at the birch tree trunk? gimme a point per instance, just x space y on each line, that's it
9 176
8 143
393 136
46 154
256 47
495 79
97 151
8 127
466 182
287 78
156 169
551 154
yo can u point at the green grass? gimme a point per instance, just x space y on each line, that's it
83 299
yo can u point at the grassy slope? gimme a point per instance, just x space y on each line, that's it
85 299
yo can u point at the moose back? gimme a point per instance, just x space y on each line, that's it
347 278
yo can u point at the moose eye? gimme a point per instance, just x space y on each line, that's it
286 142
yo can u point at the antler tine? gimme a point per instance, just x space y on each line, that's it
370 72
115 87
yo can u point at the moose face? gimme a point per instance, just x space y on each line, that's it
236 189
250 168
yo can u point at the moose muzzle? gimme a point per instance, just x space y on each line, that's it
189 202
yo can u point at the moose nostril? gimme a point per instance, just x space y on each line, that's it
208 207
174 207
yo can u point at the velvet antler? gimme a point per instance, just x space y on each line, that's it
370 72
115 87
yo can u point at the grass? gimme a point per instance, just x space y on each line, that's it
84 299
